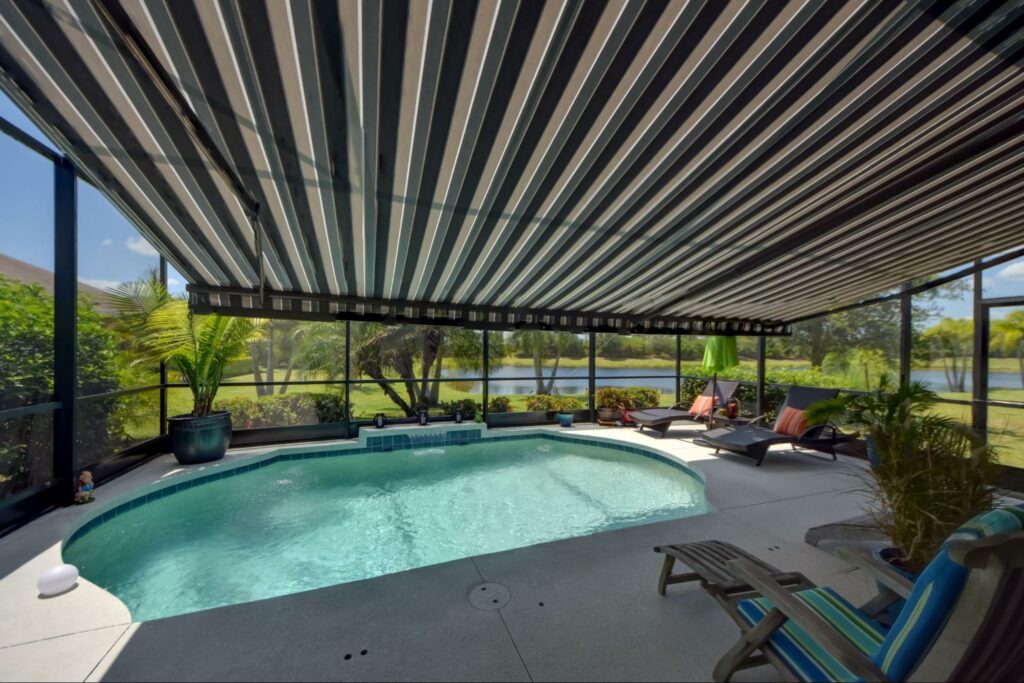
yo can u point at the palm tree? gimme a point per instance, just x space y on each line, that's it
953 337
198 347
1008 337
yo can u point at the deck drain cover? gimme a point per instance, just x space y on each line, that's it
489 596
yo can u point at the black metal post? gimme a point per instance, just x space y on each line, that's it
486 373
592 374
762 352
979 369
679 369
906 333
163 365
348 379
65 326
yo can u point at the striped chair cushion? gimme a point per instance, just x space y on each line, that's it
792 422
702 405
934 595
799 650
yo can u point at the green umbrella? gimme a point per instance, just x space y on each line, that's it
719 355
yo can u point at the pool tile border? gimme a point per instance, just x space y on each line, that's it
373 444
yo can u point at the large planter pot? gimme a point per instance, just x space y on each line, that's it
565 419
196 440
609 414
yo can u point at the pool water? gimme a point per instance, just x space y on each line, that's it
298 525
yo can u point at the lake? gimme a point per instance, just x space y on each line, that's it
517 379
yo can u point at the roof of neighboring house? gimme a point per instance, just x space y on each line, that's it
14 269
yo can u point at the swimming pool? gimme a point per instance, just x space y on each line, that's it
295 525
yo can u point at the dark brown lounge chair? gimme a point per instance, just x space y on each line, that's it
658 420
753 441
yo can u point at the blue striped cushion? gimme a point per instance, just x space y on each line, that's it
801 653
934 594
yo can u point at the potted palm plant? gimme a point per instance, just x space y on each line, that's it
197 347
929 473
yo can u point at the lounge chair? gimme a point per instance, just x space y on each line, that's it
960 620
659 420
752 441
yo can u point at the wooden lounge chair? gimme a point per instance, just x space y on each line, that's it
753 441
960 620
658 420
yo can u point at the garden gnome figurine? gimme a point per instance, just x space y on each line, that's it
83 494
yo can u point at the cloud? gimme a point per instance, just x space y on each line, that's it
173 282
107 242
1014 271
99 284
140 246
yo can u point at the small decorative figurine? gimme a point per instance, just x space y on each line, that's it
83 494
379 421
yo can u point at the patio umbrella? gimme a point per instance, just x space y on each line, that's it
719 355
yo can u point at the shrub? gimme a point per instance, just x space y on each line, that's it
26 366
283 411
626 397
500 404
549 403
611 397
468 406
642 397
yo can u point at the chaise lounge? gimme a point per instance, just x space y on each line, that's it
959 621
790 427
658 420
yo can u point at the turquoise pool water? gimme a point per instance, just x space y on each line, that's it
298 525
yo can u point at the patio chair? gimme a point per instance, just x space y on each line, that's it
960 620
658 420
753 441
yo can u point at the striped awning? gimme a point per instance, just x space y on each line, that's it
636 163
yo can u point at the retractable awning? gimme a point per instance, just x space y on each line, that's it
664 166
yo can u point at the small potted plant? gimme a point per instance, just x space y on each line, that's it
610 401
564 407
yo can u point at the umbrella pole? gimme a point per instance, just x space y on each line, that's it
714 398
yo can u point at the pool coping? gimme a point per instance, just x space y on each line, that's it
384 440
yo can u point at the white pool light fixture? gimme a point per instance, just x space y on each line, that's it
57 580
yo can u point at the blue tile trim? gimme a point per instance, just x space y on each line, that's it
374 444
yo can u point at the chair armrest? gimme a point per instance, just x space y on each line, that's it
824 634
755 420
837 435
877 569
1008 548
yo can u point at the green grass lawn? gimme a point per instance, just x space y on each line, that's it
1005 425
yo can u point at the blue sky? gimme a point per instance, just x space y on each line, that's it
112 251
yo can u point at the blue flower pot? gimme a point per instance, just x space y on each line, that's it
565 419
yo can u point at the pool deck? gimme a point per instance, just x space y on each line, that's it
580 609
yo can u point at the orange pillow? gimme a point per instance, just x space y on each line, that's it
702 405
792 423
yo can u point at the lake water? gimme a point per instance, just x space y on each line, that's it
515 379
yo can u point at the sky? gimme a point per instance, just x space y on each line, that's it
111 250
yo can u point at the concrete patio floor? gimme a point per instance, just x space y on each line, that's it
580 609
